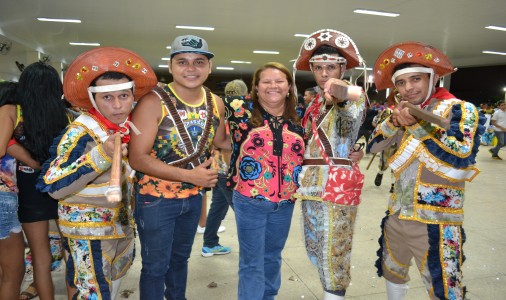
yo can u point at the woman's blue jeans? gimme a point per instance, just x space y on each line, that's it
262 228
166 229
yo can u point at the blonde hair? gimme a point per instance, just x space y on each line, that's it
236 87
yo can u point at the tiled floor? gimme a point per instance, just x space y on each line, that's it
485 249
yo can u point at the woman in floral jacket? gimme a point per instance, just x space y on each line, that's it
268 149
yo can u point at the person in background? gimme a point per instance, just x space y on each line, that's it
39 96
498 120
40 115
266 158
309 95
387 152
180 122
98 232
367 126
433 162
331 181
11 237
222 196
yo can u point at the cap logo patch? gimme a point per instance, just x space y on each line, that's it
310 44
342 42
191 42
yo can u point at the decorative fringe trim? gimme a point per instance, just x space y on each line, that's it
379 262
433 260
74 155
454 131
96 252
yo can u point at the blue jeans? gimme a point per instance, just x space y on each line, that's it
166 229
262 228
501 138
221 200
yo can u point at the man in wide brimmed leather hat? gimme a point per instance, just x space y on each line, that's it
433 162
330 181
99 234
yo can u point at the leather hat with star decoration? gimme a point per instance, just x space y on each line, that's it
412 53
93 63
333 38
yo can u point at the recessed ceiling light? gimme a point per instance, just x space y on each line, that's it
59 20
195 27
163 66
84 44
302 35
240 62
168 47
376 13
496 27
265 52
165 58
494 52
224 68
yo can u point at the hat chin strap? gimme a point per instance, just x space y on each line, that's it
429 71
108 88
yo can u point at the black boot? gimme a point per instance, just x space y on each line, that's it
377 180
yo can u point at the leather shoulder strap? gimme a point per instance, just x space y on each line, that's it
193 154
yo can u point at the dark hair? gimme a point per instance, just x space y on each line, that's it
326 49
7 92
290 113
311 90
40 93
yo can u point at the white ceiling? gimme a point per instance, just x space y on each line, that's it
457 27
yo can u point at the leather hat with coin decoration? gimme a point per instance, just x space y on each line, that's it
410 53
91 64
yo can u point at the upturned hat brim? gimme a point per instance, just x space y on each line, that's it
91 64
411 53
333 38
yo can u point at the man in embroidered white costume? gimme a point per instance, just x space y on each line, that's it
178 122
433 162
330 194
99 234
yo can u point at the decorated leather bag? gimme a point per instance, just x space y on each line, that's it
345 182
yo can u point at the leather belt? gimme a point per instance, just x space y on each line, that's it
322 162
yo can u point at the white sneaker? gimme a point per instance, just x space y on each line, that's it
201 230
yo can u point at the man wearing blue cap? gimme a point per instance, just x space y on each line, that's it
178 122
